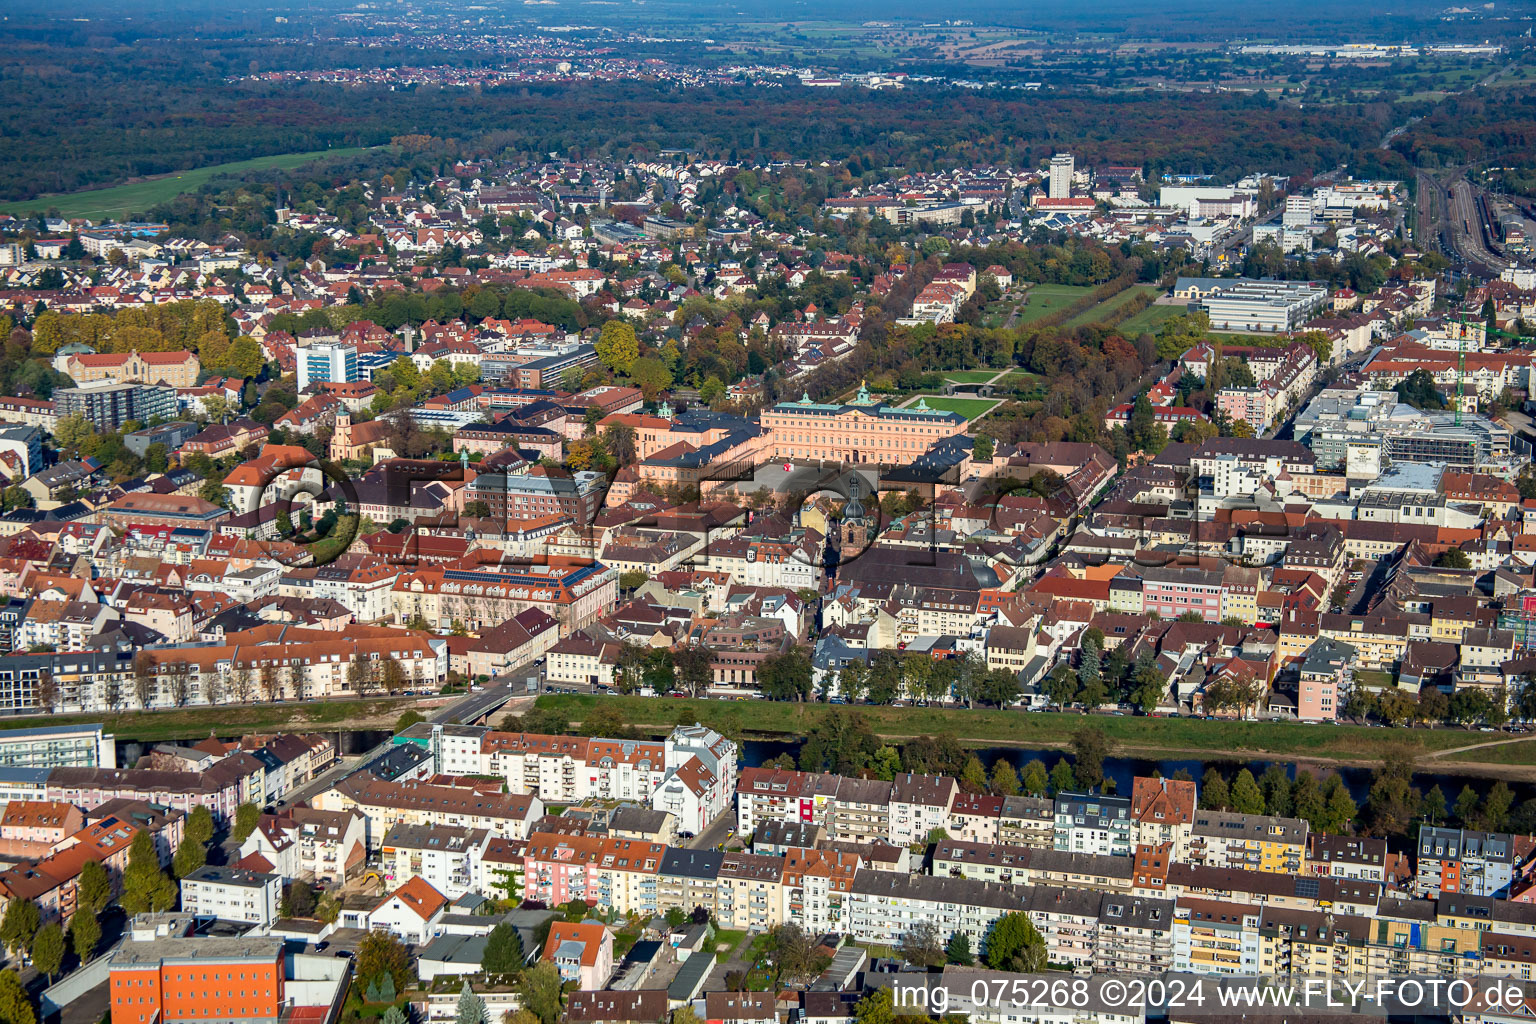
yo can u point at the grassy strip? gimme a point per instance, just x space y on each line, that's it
1519 752
1150 319
1114 309
231 720
1048 299
1132 736
136 197
970 408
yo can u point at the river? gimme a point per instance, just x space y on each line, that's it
1123 769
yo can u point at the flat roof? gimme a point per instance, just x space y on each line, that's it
7 735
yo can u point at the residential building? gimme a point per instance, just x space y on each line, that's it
232 894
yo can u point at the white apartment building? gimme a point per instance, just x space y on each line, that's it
230 894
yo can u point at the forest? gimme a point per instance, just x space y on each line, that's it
88 123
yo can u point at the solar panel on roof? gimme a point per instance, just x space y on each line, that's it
1307 888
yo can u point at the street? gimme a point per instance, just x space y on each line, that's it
719 831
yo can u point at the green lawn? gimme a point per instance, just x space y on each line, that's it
726 942
1519 752
1019 379
1104 312
1373 680
1045 299
229 720
121 201
970 408
969 376
1131 736
1150 319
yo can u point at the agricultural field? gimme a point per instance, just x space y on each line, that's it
123 201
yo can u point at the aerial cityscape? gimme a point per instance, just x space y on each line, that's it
663 513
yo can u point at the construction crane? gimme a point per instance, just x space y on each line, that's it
1461 366
1461 356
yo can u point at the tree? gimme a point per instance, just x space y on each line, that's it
1214 795
270 681
694 668
1465 807
19 926
394 1015
298 899
1035 779
93 890
359 678
982 448
1246 796
541 991
1062 779
143 678
1453 558
190 855
1060 686
73 431
1308 798
1432 807
48 950
1276 787
200 825
852 681
1014 944
795 955
1494 816
973 776
381 989
47 691
958 951
1419 390
920 946
391 674
875 1008
1434 705
380 954
503 952
145 886
1005 780
15 1004
786 676
651 376
408 719
471 1007
1088 669
617 346
1339 808
247 817
84 934
1090 747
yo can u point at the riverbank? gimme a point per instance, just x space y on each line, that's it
238 719
1152 738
